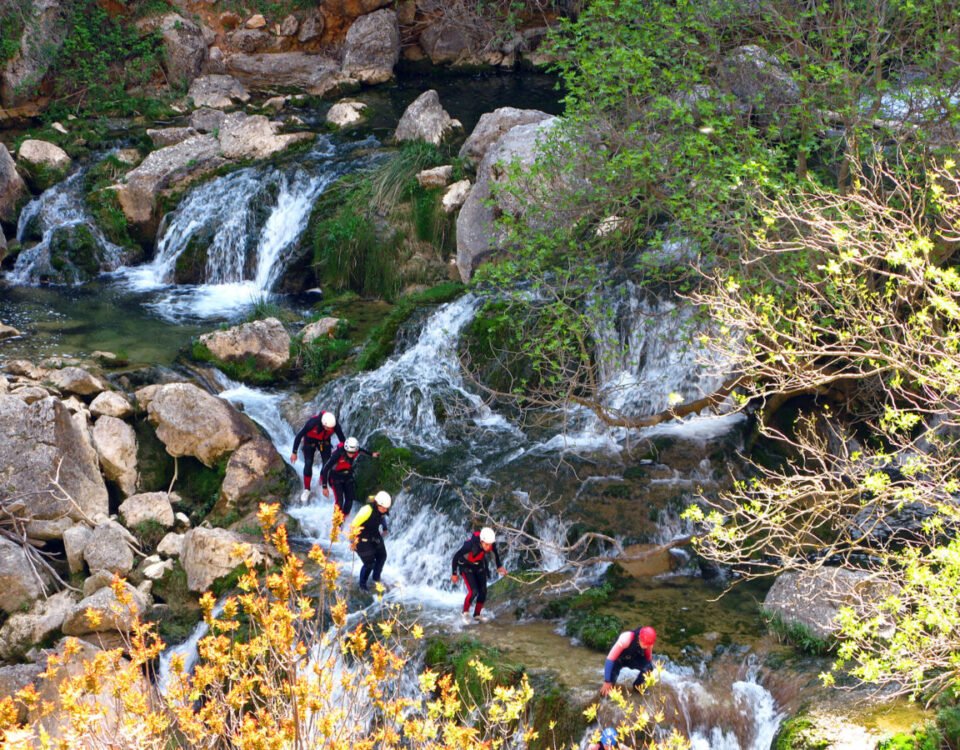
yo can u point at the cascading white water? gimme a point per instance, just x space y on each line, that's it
246 224
57 210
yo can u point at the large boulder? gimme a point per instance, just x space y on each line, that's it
324 328
477 234
450 42
75 540
184 47
26 629
102 611
149 506
76 380
266 341
12 187
38 442
314 74
162 169
116 445
346 113
255 473
108 549
217 92
813 598
426 120
759 81
44 163
494 125
41 39
372 47
208 554
20 582
254 137
191 422
111 404
207 120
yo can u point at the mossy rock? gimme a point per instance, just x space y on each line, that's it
75 255
41 177
183 611
559 721
191 264
154 464
799 733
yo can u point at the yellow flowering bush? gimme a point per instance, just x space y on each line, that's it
283 666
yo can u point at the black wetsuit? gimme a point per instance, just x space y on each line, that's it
470 561
633 656
370 546
315 437
337 472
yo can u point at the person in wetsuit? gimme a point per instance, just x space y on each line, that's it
337 472
633 649
470 561
367 538
316 435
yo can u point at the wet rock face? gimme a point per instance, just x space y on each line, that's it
255 473
372 47
36 441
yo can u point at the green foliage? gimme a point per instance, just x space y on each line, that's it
356 226
103 64
797 733
149 533
380 344
948 723
198 486
798 634
264 307
246 370
322 356
455 658
103 203
927 738
183 612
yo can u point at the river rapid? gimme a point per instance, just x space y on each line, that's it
720 682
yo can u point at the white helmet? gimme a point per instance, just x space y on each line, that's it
352 445
383 499
328 420
487 536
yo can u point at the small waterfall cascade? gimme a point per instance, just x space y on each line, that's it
727 710
648 349
242 228
57 213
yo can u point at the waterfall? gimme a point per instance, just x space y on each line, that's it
727 710
55 213
243 226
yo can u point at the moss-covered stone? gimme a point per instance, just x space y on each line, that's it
182 613
799 733
191 264
75 256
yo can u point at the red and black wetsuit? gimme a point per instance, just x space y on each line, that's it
470 561
337 472
315 437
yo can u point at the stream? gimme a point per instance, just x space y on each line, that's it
712 649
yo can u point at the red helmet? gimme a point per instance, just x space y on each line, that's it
647 636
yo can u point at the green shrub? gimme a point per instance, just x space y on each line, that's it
797 634
926 738
796 733
246 371
948 722
380 344
149 533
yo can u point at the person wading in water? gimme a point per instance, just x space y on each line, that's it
316 435
337 472
470 561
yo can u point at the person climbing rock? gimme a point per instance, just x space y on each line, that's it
633 649
470 561
367 538
316 435
337 472
608 739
